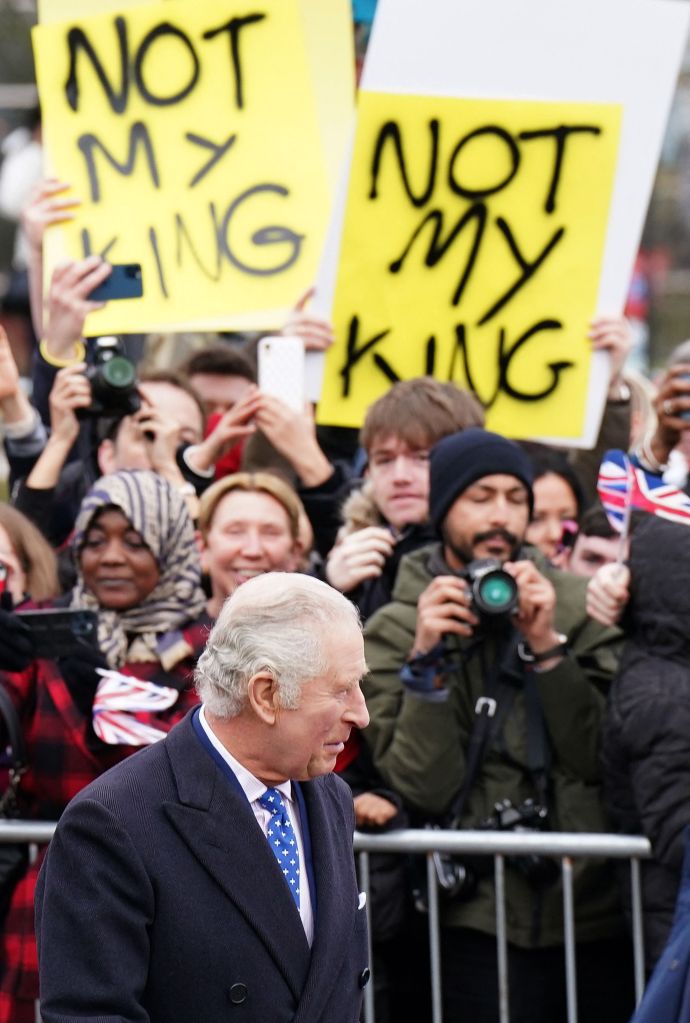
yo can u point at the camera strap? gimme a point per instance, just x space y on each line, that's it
497 695
538 750
490 710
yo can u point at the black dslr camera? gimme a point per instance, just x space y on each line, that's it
540 871
458 878
113 379
494 591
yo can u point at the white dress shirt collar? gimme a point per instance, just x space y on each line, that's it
252 787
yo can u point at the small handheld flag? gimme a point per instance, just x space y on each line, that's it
118 699
623 485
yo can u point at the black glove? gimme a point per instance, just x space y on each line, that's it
16 644
79 672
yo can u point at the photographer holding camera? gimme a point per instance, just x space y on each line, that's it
103 418
486 695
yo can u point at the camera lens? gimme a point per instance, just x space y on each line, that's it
119 372
496 592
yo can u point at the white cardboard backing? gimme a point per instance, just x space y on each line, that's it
604 51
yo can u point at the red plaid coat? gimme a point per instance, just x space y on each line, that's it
61 763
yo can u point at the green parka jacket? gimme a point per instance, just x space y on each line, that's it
419 747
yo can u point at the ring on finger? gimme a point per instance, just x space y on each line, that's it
668 407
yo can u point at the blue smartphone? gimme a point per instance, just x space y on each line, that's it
125 281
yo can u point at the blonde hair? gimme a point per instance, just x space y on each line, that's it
35 555
250 483
643 418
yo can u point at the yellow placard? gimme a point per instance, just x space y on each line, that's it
471 250
190 132
329 38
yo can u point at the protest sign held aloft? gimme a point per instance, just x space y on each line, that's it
471 251
501 169
190 131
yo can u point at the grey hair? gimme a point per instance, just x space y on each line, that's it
275 623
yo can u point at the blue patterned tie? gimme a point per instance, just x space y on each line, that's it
282 839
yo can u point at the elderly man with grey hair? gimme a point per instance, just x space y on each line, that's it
214 870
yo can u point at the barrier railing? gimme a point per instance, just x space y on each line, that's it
562 845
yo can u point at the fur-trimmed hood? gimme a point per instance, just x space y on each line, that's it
360 510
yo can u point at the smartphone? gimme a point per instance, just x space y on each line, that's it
569 533
281 369
57 632
125 281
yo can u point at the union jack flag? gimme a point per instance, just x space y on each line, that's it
622 486
118 698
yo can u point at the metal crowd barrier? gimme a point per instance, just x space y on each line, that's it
562 845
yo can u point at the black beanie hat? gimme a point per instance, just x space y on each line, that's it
460 459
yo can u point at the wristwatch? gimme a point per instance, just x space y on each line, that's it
526 654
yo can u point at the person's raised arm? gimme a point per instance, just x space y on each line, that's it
672 406
611 334
47 205
15 406
293 434
233 426
69 305
315 331
70 392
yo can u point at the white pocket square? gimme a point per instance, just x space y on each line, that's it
362 900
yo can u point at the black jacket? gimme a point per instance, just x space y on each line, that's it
646 747
181 911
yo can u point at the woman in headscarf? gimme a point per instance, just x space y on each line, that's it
138 570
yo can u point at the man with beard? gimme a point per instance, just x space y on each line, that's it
474 706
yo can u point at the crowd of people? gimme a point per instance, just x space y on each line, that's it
527 666
152 517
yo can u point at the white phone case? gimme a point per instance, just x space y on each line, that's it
281 369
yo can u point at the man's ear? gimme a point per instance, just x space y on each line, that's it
105 456
263 695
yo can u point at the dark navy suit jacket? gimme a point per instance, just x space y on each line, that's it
160 900
667 996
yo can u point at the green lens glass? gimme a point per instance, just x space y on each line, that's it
496 591
119 372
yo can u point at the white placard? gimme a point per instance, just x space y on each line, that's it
603 51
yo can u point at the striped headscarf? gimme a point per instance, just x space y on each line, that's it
150 631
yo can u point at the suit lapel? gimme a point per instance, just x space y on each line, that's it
335 898
216 822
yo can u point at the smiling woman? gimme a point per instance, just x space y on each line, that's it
558 504
117 565
138 570
249 524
